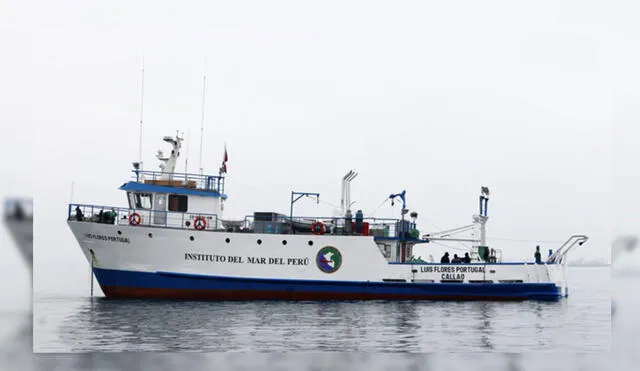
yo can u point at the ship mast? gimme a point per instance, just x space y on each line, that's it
141 115
204 89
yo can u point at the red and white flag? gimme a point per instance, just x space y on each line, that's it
223 168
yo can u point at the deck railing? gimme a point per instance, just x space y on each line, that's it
379 227
145 217
197 181
382 227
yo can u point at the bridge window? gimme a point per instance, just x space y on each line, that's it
142 200
178 203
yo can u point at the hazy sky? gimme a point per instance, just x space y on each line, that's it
438 98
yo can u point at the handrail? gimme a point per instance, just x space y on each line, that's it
285 218
170 219
148 217
307 218
387 226
177 175
203 181
560 254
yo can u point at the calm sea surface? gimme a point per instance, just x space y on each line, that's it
582 323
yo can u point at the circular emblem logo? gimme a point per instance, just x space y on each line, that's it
329 259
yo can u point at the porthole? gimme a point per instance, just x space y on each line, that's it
310 243
259 242
227 240
150 235
119 232
191 238
284 242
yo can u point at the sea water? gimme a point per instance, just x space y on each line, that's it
580 323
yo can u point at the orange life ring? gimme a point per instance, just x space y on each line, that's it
200 223
318 228
135 219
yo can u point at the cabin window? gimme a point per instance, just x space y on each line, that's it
143 201
132 200
178 203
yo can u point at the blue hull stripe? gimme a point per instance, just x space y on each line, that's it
137 284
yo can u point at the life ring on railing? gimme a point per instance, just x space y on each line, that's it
318 228
135 219
200 223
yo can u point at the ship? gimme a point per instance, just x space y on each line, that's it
171 241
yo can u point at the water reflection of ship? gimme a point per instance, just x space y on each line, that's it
18 218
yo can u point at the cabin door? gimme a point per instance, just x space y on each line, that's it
159 209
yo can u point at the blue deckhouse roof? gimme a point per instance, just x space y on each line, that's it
153 188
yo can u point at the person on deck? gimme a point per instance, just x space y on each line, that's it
456 259
112 216
445 258
79 215
537 255
467 258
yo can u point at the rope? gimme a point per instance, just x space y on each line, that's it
466 248
440 230
338 207
323 202
379 206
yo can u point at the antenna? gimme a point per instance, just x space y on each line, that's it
141 111
186 157
204 86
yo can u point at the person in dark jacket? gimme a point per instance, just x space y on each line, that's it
79 214
467 258
445 258
537 255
